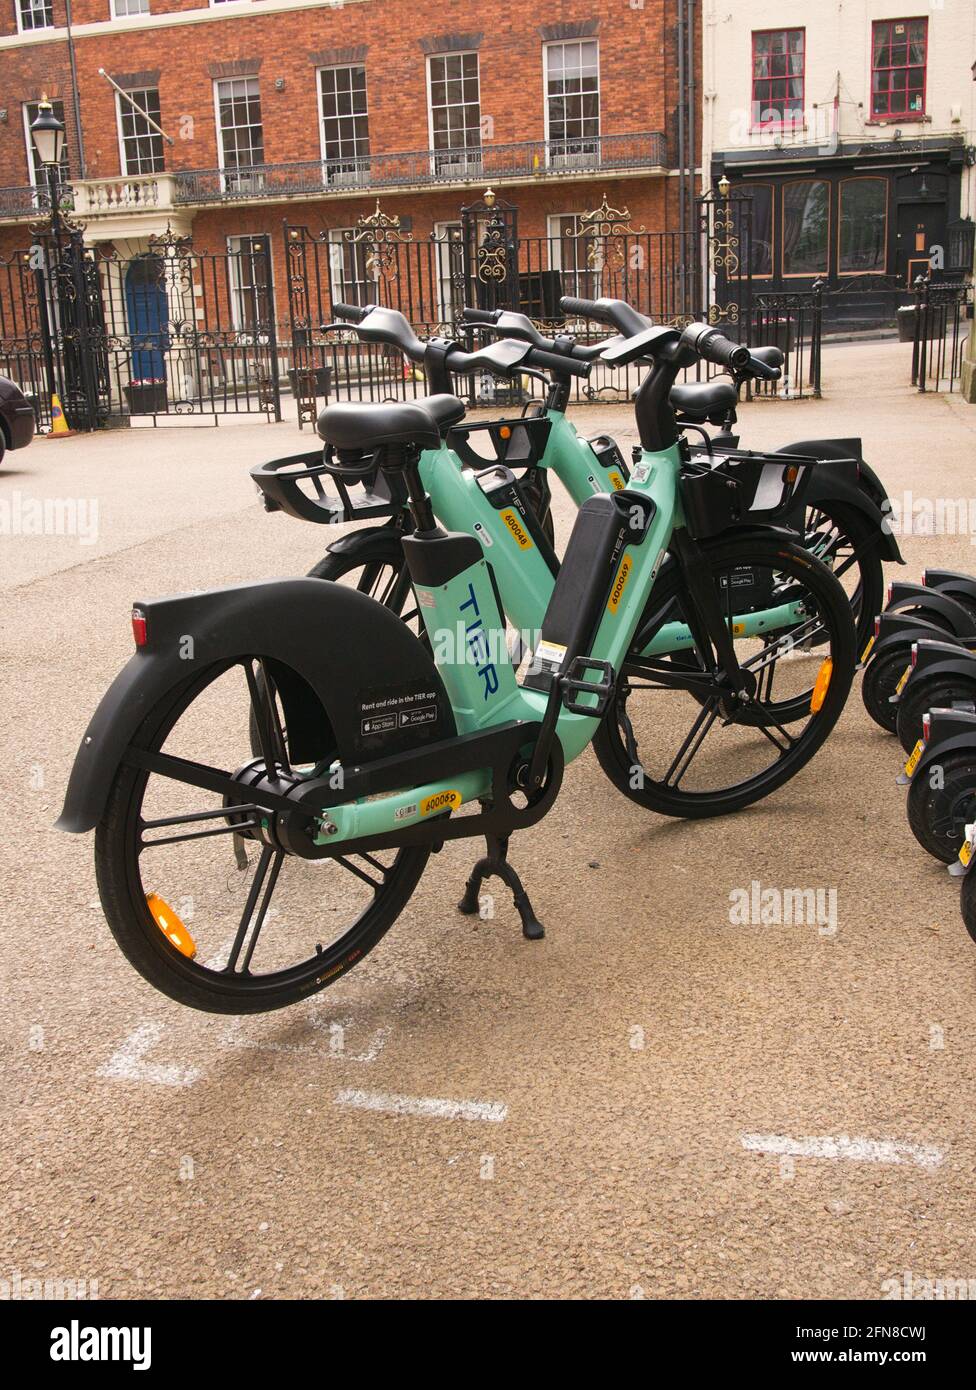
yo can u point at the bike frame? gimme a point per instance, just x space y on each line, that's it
466 629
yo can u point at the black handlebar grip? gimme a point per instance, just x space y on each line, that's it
480 315
353 313
556 362
715 347
583 308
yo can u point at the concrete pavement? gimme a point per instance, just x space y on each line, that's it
655 1100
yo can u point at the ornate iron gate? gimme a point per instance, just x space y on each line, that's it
173 332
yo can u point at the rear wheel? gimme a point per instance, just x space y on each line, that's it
195 888
967 903
700 749
940 808
848 544
879 683
920 696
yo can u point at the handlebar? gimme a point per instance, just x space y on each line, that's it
612 313
355 313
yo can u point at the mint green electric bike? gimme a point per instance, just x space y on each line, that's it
376 748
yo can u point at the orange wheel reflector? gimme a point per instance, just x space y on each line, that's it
170 925
821 685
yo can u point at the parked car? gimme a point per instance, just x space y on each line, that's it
16 417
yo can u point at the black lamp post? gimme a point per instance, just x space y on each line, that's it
48 134
66 285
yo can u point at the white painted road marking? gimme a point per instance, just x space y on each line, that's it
843 1146
428 1107
126 1063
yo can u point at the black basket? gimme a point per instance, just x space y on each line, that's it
517 443
741 486
294 485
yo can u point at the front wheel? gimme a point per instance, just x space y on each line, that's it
703 750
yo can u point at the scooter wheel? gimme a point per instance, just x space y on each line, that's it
941 803
878 683
921 696
967 903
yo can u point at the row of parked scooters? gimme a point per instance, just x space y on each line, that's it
920 683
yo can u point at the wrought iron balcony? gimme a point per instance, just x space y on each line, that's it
20 202
526 160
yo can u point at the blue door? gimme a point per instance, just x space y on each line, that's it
145 298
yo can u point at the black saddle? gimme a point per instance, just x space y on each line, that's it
423 422
705 400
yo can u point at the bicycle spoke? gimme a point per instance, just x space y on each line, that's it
270 859
277 732
693 741
359 873
258 705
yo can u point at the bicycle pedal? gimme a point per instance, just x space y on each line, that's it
573 684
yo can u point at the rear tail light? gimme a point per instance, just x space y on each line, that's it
139 630
877 626
926 727
914 655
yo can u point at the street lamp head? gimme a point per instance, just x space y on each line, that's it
48 133
724 186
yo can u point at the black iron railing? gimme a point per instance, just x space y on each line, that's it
943 314
525 159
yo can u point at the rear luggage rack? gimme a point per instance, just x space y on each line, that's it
294 485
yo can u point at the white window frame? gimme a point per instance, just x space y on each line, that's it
356 177
226 171
586 278
119 100
337 243
237 289
135 14
567 43
467 153
38 28
442 254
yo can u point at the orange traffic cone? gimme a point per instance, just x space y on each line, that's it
59 425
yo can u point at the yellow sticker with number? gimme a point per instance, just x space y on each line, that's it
516 528
913 760
616 482
904 679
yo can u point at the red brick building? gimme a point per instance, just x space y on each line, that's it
307 112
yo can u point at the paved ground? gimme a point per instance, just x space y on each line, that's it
618 1068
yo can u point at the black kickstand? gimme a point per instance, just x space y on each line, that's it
496 862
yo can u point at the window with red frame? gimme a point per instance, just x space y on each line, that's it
777 77
898 53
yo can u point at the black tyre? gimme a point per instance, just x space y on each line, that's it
216 885
878 684
919 696
847 542
941 803
741 750
967 903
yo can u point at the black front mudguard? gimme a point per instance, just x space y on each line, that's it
855 484
364 537
335 655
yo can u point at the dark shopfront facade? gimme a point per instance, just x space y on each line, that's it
865 218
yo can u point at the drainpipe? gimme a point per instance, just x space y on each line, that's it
82 163
692 157
682 196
